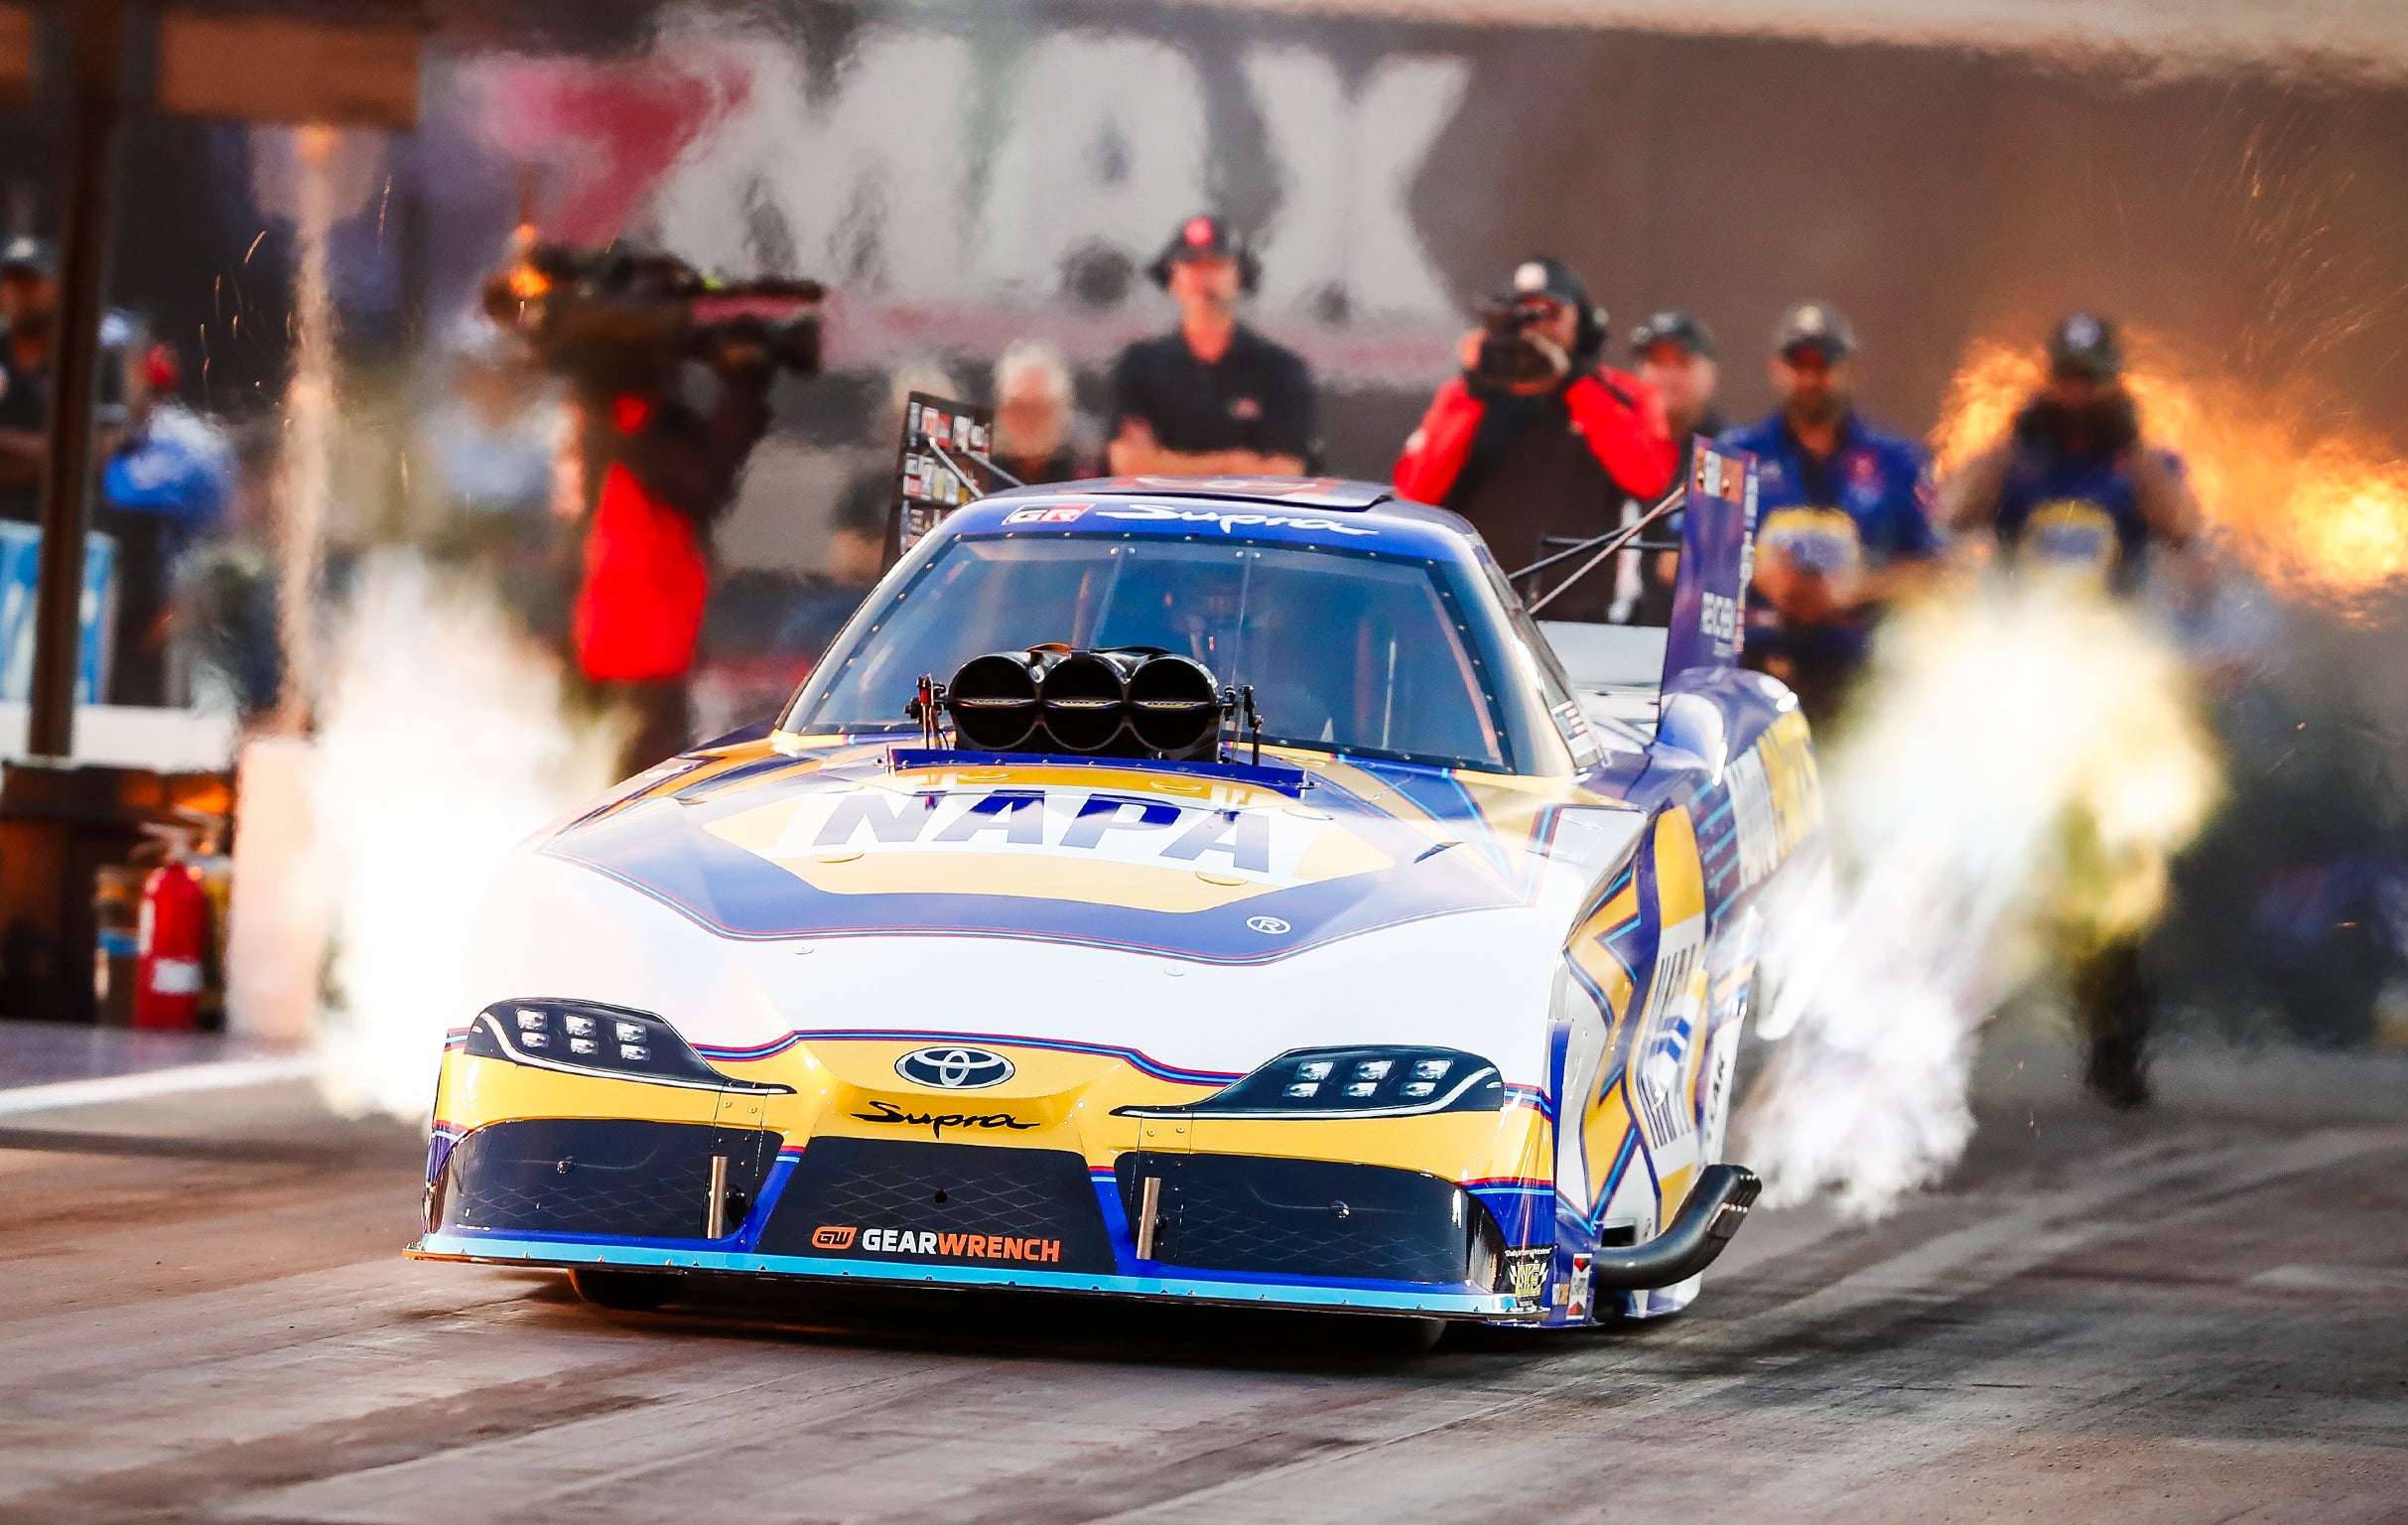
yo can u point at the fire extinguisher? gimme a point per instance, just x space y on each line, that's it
172 944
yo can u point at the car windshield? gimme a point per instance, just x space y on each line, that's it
1348 650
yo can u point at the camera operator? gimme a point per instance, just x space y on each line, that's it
1843 515
1212 398
2075 482
2076 485
1537 443
667 474
669 376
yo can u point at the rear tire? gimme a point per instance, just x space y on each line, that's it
633 1292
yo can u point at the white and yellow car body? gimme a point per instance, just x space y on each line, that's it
1305 1027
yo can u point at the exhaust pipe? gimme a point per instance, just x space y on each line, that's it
1086 700
1717 1205
1120 702
994 700
1175 706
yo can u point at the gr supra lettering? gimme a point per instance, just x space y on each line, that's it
1233 520
921 1241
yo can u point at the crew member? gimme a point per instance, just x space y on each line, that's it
1675 352
1212 398
170 480
666 474
1843 510
1538 443
1035 427
29 308
2075 482
2076 485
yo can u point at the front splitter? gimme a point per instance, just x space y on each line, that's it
1156 1288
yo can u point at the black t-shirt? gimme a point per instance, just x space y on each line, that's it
1257 396
1532 486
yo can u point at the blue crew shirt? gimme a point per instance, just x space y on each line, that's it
2074 509
1867 504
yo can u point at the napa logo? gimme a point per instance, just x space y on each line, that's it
998 839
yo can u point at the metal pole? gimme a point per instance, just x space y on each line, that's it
95 118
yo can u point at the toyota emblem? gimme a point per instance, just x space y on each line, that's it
950 1068
1270 926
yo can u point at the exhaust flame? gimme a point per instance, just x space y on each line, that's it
441 747
2026 758
2321 517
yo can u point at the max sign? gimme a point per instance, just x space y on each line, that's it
920 165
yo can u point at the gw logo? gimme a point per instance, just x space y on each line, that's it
1720 620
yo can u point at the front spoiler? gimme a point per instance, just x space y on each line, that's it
495 1250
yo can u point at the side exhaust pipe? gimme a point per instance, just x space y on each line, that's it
1717 1205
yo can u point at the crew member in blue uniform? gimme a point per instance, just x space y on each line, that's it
2074 483
2077 486
1843 514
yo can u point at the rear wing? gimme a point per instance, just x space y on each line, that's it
1717 558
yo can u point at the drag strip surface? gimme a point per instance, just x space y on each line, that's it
2152 1321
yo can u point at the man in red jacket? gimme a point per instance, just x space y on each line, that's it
667 473
1538 443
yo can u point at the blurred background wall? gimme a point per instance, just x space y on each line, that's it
968 172
2228 176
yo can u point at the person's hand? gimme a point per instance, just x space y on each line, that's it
1558 364
1134 451
1542 378
1814 599
1800 594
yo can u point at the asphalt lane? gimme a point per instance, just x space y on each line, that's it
2189 1317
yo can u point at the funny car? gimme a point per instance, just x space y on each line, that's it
1210 891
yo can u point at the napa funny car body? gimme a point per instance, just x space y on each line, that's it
1407 979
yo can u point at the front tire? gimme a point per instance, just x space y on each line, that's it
633 1291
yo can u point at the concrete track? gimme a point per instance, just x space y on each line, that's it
2185 1317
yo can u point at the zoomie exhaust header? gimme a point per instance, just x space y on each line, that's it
1717 1205
1119 702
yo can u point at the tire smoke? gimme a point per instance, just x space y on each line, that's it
2024 759
442 743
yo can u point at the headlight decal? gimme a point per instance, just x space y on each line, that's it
588 1037
1379 1081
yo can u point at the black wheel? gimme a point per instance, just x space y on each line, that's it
636 1292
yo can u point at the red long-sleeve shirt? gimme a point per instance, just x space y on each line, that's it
1626 434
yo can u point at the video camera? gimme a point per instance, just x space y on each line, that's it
1508 357
620 320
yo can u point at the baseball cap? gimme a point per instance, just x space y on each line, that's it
1542 276
2085 346
1815 326
1686 329
26 252
1204 236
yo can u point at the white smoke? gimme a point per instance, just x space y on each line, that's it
442 743
2023 761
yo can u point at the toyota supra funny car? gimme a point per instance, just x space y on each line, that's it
1214 892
